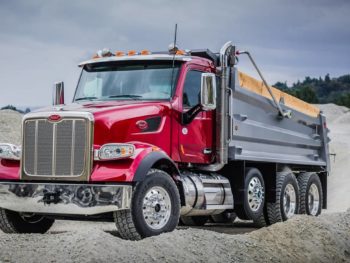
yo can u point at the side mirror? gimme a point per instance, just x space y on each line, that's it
58 94
208 91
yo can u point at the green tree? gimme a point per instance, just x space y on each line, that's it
307 94
343 100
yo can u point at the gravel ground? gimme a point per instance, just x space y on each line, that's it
301 239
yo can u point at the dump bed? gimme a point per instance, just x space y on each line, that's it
258 133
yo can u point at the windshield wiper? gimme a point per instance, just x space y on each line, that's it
86 98
125 96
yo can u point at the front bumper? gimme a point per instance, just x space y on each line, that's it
64 199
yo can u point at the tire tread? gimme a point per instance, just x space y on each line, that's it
274 210
125 225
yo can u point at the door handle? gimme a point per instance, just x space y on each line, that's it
207 151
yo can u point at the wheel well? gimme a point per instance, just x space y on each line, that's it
166 166
169 167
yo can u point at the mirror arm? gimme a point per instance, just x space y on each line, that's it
188 116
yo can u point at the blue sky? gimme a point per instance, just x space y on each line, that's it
42 42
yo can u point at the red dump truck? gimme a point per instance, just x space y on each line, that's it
154 138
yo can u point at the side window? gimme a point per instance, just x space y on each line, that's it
192 89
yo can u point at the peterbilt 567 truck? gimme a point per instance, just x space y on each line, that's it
154 138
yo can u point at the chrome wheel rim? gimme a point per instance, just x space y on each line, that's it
313 200
156 207
255 194
289 201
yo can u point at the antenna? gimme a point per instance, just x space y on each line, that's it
173 49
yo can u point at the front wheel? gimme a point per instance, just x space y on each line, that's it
155 208
15 223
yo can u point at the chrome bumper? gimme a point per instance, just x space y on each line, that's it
64 199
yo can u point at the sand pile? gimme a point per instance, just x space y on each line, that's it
302 239
338 119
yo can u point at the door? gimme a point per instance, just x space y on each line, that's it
195 138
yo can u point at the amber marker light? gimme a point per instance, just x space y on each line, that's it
180 52
132 53
119 53
145 52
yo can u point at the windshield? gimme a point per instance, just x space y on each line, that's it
113 82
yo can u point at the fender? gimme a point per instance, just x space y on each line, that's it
136 168
157 159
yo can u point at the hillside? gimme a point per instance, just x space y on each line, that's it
321 90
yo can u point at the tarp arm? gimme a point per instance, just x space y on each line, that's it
285 114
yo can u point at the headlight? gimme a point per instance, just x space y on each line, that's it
10 151
114 151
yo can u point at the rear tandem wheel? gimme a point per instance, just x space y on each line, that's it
287 198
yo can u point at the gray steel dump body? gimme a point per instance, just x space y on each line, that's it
259 134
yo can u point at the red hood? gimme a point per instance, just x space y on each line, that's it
115 121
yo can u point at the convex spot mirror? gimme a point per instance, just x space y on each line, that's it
208 92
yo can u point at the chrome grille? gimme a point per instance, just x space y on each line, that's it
55 149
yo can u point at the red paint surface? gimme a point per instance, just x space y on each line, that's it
9 170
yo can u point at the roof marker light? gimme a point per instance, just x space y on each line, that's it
119 53
145 52
132 53
180 52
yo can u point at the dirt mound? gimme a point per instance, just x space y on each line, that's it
10 126
338 119
302 239
332 111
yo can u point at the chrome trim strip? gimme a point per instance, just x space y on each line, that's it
54 141
35 147
72 148
64 199
46 114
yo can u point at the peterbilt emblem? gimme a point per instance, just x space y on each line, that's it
54 118
142 125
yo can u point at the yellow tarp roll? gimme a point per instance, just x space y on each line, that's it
256 86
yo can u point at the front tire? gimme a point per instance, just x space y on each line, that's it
311 195
287 198
15 223
155 208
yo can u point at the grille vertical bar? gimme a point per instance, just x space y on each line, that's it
44 147
55 149
80 141
29 145
64 137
